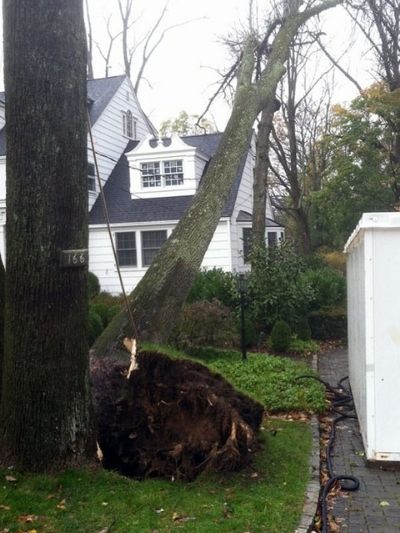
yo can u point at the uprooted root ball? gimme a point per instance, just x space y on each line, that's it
173 417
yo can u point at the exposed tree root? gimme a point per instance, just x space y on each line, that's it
172 418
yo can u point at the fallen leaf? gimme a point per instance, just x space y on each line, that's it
254 475
11 478
61 505
104 503
5 507
176 517
28 518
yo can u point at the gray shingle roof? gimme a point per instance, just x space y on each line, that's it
123 209
244 216
100 92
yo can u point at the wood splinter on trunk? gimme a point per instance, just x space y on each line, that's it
130 345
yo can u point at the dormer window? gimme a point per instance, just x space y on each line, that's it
128 124
162 173
173 172
151 176
91 177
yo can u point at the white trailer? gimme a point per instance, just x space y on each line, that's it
373 297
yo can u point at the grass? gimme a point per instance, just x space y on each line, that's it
266 498
269 379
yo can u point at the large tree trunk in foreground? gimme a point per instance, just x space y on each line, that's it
157 300
2 283
45 410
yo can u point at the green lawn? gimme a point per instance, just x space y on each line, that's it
269 379
267 497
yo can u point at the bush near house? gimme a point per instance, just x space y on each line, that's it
281 336
205 323
328 286
95 326
282 286
215 284
93 285
277 289
328 323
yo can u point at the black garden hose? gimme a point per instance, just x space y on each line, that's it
342 404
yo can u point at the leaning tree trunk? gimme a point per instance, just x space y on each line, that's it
158 298
261 173
45 412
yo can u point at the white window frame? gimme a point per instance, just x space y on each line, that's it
153 248
116 235
129 124
170 174
91 177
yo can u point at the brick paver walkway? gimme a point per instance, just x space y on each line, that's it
375 507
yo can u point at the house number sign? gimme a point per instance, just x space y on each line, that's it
74 258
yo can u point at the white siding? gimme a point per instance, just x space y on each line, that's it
244 202
2 180
101 260
109 140
218 254
2 116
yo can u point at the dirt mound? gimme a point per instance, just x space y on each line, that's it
172 418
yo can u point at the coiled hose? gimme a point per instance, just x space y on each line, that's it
341 404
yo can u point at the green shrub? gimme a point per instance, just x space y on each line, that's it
215 284
95 326
107 298
334 259
276 286
102 311
112 311
302 329
328 286
206 324
280 336
93 285
300 347
251 332
328 323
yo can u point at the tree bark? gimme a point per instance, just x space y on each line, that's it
2 283
158 298
45 414
261 173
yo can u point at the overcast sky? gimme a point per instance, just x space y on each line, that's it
184 70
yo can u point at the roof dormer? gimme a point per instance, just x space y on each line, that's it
164 167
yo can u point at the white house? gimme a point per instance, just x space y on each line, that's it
148 185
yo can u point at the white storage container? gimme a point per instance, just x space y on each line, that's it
373 297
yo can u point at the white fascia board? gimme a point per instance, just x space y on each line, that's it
141 224
370 221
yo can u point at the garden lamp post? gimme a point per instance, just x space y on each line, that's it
242 282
